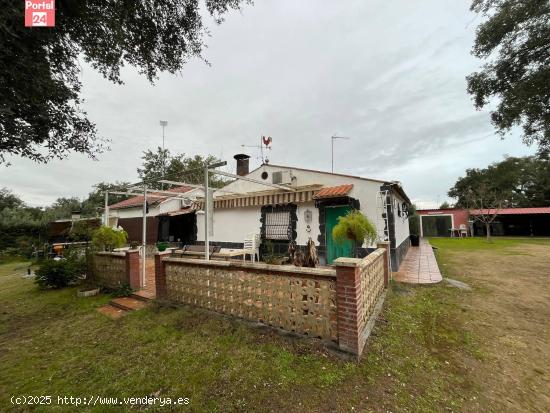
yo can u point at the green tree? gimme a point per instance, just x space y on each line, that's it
176 167
40 104
107 238
96 198
514 42
355 227
520 182
9 199
445 205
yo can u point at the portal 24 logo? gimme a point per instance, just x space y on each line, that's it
39 13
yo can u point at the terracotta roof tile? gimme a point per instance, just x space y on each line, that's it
138 200
333 191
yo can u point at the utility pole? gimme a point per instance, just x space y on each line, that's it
163 123
332 138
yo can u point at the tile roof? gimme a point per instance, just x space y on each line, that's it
138 200
333 191
513 211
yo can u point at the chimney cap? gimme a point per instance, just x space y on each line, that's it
240 156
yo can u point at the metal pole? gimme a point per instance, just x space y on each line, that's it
206 211
144 236
332 155
163 123
106 213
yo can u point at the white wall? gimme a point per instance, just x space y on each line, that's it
401 222
136 212
302 227
231 224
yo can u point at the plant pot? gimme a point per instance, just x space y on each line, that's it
88 293
415 240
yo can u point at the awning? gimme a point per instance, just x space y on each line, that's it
277 197
179 212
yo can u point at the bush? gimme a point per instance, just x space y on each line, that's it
106 238
56 274
355 227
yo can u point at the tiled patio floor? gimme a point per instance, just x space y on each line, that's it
149 275
419 266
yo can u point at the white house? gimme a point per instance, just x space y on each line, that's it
308 209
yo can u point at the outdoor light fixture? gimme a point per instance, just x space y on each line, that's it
308 215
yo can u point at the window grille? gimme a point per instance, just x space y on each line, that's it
277 226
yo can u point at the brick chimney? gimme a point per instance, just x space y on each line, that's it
242 164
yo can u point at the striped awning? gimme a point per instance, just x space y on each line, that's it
304 194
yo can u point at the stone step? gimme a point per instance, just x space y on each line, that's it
111 311
143 295
128 303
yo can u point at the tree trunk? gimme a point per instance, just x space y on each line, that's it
488 229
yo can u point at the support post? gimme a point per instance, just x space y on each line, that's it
144 236
385 245
160 276
348 299
206 212
106 212
132 269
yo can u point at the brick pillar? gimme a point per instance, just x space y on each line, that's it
348 291
160 275
132 269
387 261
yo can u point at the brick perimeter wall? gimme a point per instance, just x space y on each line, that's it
299 300
113 269
338 305
360 285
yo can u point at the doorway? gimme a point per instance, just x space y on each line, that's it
336 250
436 225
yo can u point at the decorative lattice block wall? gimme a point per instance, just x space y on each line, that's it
304 303
110 269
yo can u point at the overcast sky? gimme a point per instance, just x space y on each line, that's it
388 74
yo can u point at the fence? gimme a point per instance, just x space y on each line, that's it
113 269
338 304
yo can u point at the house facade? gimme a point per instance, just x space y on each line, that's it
309 208
168 219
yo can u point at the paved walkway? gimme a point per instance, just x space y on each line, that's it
149 276
419 266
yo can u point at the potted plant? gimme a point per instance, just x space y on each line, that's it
414 226
355 227
161 246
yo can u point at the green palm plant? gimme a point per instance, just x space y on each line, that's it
355 227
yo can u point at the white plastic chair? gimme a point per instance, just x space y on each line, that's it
252 246
463 230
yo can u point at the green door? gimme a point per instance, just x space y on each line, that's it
335 250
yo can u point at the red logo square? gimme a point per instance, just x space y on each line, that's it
39 13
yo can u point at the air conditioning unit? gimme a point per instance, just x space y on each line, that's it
282 177
186 202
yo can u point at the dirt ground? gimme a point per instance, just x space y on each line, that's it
511 320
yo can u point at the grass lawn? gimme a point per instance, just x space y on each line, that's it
434 348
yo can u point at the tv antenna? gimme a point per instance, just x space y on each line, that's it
265 143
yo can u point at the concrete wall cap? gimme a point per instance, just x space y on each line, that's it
323 272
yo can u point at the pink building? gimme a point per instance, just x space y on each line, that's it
440 222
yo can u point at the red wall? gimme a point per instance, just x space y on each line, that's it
460 216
